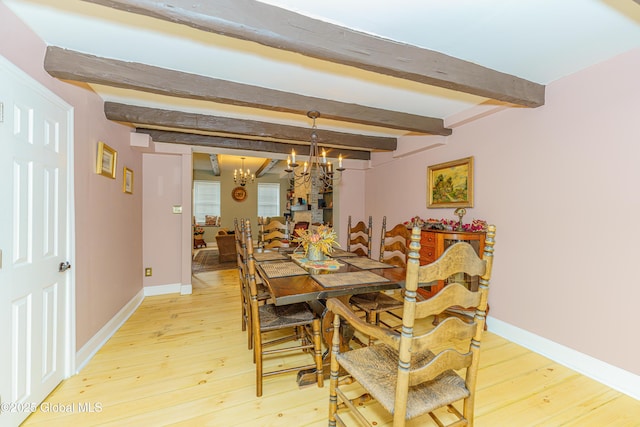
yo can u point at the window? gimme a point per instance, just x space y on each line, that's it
206 199
268 199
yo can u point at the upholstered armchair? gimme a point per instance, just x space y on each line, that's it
226 246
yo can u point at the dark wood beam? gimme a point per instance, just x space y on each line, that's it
70 65
246 144
283 29
208 123
266 166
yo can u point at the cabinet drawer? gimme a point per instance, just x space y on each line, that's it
427 239
427 255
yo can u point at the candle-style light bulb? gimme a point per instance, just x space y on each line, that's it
293 156
288 161
324 156
305 168
340 161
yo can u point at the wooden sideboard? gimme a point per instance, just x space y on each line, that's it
434 242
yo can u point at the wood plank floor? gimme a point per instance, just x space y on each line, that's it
183 361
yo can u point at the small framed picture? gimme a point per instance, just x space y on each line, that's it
106 162
127 181
450 184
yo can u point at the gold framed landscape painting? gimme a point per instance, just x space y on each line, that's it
450 184
106 162
127 181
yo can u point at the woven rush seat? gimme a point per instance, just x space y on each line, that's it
376 368
375 302
277 317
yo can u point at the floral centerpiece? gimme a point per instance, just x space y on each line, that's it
317 243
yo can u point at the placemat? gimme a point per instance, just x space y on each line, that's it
327 264
269 256
350 278
282 269
365 263
340 253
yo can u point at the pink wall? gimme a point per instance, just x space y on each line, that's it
108 264
560 183
162 228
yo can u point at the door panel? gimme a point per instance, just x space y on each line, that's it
34 154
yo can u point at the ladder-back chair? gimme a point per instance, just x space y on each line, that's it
393 250
359 238
393 244
414 374
268 318
274 235
263 293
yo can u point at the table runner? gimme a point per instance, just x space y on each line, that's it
350 278
327 264
269 256
367 263
282 269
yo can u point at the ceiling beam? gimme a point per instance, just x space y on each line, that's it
246 144
282 29
215 165
70 65
266 166
208 123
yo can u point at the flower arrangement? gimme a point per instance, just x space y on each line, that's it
476 225
323 237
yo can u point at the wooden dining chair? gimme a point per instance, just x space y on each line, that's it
393 244
412 374
359 238
393 250
263 293
269 318
274 235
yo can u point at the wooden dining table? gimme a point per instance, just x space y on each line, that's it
290 282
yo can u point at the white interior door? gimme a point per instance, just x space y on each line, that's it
36 310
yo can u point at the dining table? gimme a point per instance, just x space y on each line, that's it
291 278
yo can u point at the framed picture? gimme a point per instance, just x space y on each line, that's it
127 181
106 164
450 184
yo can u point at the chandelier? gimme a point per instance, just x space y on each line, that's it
317 171
240 176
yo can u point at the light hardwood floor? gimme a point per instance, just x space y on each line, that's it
183 360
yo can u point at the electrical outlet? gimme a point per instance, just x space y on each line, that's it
148 272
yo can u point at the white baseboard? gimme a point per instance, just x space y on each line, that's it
99 339
618 379
150 291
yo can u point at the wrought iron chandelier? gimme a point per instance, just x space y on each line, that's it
317 171
242 177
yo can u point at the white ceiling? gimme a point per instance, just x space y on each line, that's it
538 40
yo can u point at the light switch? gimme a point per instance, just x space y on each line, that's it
177 209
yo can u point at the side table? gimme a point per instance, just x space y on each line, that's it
198 242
